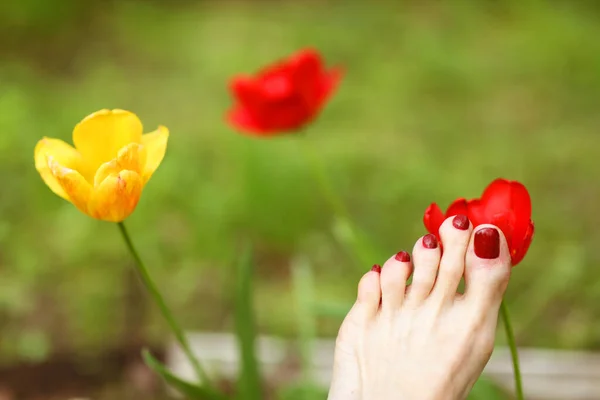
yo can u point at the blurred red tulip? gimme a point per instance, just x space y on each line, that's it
504 203
282 97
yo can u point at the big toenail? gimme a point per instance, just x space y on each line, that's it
376 268
487 243
430 241
402 256
461 222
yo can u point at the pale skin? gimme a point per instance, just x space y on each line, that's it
423 341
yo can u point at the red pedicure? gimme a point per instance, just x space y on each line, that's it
487 243
430 241
402 256
461 222
376 268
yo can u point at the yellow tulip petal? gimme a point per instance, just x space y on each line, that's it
156 146
100 136
78 190
116 197
105 170
64 155
131 157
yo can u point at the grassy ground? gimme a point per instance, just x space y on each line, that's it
437 101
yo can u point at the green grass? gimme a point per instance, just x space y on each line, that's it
437 101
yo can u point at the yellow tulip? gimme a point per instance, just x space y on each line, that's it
104 174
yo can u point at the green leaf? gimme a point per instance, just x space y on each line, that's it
249 386
303 391
188 389
485 389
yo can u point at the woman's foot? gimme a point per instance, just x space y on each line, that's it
424 341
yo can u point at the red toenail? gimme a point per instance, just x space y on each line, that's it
487 243
461 222
376 268
403 256
430 241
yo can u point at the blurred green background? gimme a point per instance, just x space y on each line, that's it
439 99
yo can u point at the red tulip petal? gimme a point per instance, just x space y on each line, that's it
521 208
496 197
276 88
284 96
307 67
314 83
503 221
290 119
503 196
279 67
521 200
263 108
433 218
245 122
246 91
524 245
300 69
476 212
459 206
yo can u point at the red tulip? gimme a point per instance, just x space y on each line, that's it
504 203
284 96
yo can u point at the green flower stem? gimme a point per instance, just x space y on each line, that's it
361 249
160 302
303 288
321 177
510 336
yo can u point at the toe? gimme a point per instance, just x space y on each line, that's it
488 267
369 295
426 259
345 382
394 274
455 233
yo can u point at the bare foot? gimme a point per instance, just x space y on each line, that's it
424 341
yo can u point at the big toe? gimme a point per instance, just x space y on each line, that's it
488 267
